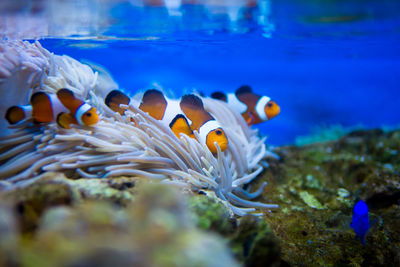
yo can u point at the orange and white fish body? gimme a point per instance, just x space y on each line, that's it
156 105
254 108
210 131
44 108
62 107
79 112
166 110
182 116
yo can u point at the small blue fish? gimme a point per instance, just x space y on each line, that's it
360 223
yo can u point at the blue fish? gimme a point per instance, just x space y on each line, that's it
360 223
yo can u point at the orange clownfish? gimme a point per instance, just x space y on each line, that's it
210 131
177 115
63 107
254 108
156 105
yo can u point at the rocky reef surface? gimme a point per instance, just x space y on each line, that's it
53 220
317 186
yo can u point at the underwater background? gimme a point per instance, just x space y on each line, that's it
330 65
333 66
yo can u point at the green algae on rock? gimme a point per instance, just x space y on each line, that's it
210 213
362 164
311 201
250 238
255 244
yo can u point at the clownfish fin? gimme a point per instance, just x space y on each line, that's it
250 120
180 125
244 89
64 120
42 110
16 114
219 96
65 94
114 99
68 99
192 101
154 103
152 95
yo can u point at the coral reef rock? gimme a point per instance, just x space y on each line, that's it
316 187
52 220
71 223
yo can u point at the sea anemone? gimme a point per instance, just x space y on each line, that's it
132 145
21 68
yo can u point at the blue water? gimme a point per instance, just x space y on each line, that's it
323 62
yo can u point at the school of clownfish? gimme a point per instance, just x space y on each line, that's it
182 116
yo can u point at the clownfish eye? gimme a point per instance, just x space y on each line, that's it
218 132
88 114
269 105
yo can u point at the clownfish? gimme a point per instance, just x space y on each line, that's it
182 116
254 108
210 131
157 106
63 107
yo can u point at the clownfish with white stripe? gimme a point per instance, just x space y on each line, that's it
157 106
210 131
254 108
63 107
182 116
